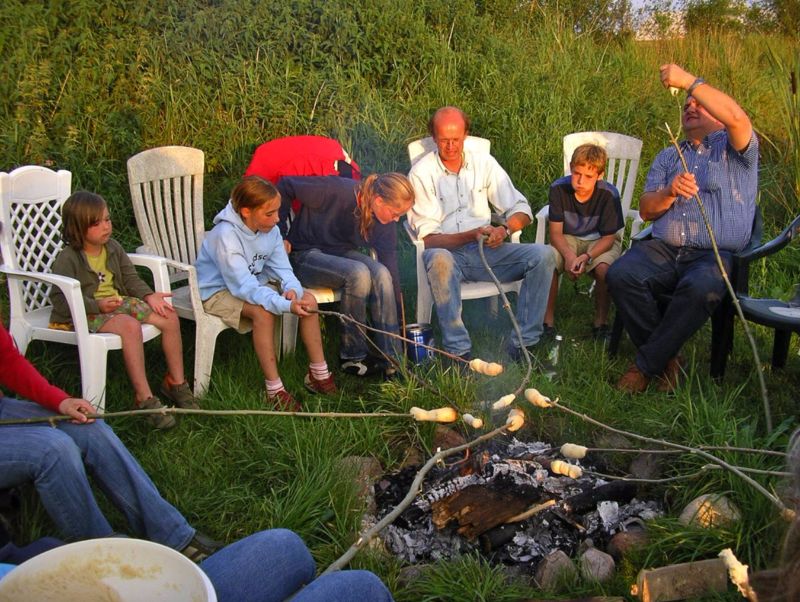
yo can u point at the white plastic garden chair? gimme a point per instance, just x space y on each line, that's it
469 290
166 185
30 201
621 171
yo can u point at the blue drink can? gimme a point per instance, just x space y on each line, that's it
421 334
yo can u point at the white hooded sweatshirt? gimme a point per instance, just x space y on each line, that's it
234 257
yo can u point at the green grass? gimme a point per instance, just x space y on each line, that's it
88 83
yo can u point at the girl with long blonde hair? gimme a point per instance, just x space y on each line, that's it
337 218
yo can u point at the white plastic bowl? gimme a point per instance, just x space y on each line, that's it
108 570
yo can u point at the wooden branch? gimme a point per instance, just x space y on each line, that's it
171 410
786 513
731 292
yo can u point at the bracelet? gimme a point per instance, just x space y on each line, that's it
697 82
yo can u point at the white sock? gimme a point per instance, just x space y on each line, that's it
319 370
273 387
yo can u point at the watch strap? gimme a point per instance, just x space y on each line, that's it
697 82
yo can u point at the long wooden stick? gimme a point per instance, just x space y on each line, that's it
171 410
731 292
785 512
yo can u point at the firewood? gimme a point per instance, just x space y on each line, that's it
477 509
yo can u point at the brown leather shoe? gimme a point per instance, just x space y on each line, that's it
633 381
672 376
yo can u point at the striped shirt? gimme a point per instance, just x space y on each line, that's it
728 183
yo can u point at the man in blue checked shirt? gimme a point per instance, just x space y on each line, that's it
721 151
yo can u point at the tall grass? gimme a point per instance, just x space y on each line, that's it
88 83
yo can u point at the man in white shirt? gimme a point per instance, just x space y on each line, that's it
455 193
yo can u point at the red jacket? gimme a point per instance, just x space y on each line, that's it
301 156
18 374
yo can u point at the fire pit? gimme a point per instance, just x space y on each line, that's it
505 502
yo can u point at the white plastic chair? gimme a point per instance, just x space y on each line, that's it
166 185
469 290
622 168
30 201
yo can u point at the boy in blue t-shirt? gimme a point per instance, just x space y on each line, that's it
586 225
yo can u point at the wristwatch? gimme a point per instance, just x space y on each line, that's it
697 82
508 231
590 258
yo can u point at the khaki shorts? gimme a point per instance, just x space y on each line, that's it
229 308
580 246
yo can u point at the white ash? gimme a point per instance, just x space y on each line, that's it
414 539
424 543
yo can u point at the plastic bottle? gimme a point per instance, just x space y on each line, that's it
553 357
555 351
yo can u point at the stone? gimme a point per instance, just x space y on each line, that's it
553 570
445 438
625 542
710 510
596 565
366 471
646 466
610 440
412 457
686 581
410 574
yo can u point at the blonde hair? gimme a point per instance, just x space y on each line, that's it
394 189
252 192
78 213
591 155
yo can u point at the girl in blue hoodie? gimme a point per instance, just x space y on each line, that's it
242 253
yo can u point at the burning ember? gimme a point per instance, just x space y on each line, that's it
505 501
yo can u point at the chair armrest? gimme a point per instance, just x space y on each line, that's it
541 218
645 234
69 287
636 221
157 265
419 244
773 246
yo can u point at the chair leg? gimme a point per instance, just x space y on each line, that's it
204 347
289 323
722 325
93 374
780 348
21 334
616 335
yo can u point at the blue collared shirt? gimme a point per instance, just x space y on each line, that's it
728 183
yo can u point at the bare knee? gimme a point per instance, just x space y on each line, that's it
170 322
128 328
261 318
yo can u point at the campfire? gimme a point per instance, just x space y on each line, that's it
505 501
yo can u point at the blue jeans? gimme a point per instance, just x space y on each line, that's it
533 264
365 283
272 565
57 460
640 282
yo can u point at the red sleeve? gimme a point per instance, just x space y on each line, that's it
18 374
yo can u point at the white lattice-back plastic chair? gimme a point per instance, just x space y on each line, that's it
30 202
622 168
469 290
166 185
